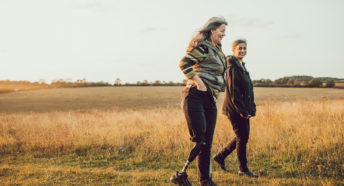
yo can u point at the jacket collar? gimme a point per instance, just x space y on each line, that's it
217 50
208 44
234 61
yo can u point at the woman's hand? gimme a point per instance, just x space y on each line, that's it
199 83
246 117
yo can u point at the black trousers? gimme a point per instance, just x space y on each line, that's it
201 112
241 127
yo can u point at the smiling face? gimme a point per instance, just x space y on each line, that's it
218 34
240 51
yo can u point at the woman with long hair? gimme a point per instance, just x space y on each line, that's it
204 66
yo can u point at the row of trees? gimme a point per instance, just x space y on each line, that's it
67 83
118 82
297 81
41 84
288 81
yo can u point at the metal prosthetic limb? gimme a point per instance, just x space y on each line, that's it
193 154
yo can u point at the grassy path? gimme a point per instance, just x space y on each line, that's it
67 170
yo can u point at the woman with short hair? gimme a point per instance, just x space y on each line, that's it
239 107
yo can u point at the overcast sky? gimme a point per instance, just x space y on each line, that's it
137 40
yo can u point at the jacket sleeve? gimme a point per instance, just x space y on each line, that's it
232 80
196 55
252 100
254 107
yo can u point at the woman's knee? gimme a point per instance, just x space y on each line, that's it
243 139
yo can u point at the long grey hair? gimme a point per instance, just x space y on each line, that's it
205 33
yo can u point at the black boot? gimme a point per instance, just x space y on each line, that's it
180 178
208 182
218 159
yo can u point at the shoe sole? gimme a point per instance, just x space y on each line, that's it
180 183
183 184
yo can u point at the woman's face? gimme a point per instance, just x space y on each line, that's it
218 34
240 51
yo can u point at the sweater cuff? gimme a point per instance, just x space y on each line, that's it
190 74
245 113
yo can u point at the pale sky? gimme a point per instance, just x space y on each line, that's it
137 40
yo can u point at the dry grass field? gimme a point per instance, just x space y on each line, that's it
109 98
138 136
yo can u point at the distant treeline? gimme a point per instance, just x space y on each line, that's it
300 81
288 81
10 86
155 83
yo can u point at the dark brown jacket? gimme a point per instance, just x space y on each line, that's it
239 98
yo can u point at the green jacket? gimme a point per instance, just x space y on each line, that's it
209 62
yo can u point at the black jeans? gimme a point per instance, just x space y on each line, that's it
201 112
241 127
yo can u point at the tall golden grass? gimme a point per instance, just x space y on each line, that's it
296 139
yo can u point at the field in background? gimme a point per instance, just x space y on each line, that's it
109 98
296 138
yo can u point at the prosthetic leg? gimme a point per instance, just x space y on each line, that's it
193 154
180 178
